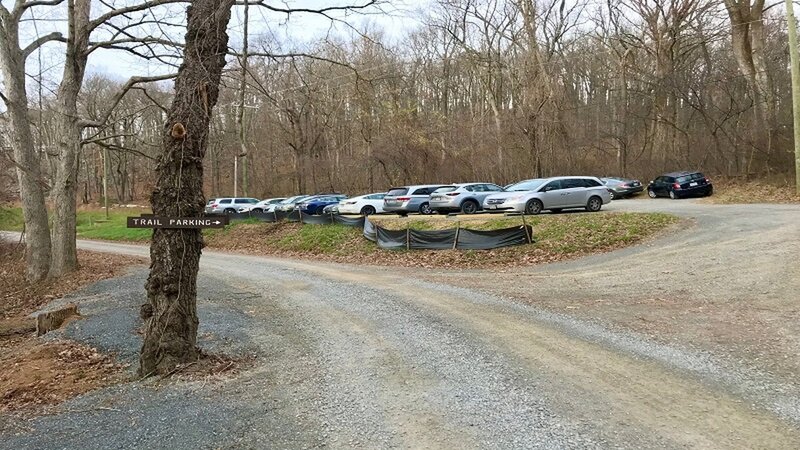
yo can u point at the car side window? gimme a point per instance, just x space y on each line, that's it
551 186
421 191
225 200
493 188
588 182
571 183
473 188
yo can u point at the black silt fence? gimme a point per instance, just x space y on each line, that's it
486 240
360 222
432 240
454 238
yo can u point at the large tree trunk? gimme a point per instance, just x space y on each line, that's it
37 249
65 254
748 42
171 331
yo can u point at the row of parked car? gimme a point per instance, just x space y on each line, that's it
528 196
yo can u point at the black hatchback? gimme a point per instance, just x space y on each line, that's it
680 184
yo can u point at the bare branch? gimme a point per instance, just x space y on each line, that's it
133 8
54 36
133 81
322 11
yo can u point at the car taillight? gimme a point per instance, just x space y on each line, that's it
452 194
624 186
403 199
214 205
676 186
708 180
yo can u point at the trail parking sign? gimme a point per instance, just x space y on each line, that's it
177 222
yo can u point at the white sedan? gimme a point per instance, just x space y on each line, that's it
363 204
267 205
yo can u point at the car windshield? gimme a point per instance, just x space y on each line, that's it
397 191
444 189
527 185
294 199
692 177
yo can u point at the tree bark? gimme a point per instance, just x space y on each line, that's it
171 331
29 174
65 254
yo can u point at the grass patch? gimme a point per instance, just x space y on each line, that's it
11 218
91 224
325 239
558 236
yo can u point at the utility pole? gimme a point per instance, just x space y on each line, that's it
105 179
236 175
795 62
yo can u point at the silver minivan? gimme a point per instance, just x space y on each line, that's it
410 199
554 194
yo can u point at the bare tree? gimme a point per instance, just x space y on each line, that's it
171 332
26 161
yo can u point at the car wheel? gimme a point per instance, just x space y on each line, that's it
614 196
469 207
533 207
230 211
258 210
673 195
651 193
594 204
709 192
367 210
425 208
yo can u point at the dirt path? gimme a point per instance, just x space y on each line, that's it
382 357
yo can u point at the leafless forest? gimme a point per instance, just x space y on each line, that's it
496 90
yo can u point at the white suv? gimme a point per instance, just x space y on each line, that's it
554 194
230 205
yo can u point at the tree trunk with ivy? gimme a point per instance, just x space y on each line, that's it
171 312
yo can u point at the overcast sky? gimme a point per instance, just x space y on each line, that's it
302 30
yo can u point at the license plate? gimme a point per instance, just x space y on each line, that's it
491 206
692 184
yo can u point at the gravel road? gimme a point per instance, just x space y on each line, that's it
354 356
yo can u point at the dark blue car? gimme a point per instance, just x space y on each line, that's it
314 205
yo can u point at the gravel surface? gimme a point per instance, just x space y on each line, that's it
351 356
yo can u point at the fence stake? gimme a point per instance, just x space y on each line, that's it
458 228
408 238
527 232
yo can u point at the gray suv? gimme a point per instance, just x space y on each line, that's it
554 194
409 199
464 197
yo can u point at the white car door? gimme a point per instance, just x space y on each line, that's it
376 201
